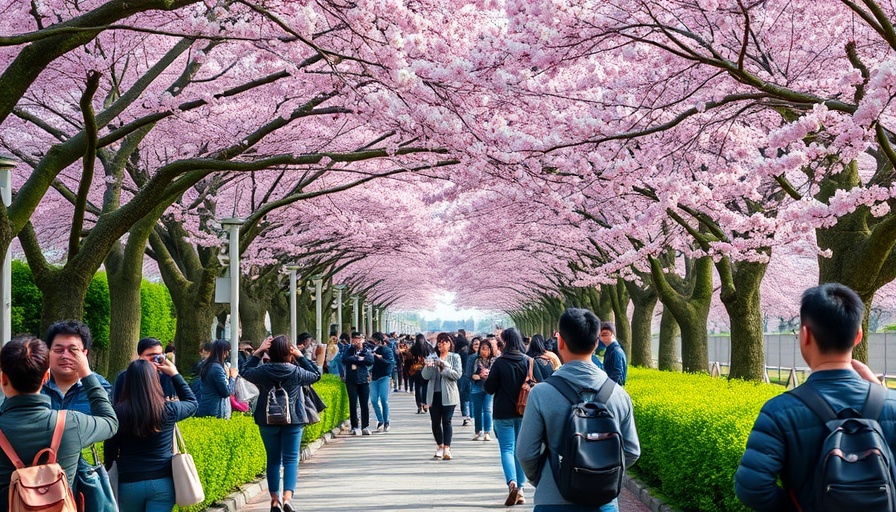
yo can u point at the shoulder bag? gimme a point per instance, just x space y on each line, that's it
524 389
94 486
187 487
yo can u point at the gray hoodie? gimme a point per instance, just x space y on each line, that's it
547 411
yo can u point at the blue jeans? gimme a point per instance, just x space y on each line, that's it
507 430
281 444
612 506
379 394
482 411
147 495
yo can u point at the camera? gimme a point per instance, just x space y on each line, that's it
158 359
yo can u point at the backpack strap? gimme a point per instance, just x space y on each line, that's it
57 435
606 389
815 402
874 404
565 389
10 451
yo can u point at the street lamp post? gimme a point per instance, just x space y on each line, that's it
318 283
7 164
292 302
233 252
369 318
339 288
356 312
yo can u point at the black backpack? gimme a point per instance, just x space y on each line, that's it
278 406
590 467
855 465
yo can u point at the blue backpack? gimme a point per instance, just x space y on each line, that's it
855 466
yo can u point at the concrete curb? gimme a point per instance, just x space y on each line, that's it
643 494
238 499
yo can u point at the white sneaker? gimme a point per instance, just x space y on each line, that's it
366 431
486 437
356 431
478 436
439 453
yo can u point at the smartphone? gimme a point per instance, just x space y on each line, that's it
158 359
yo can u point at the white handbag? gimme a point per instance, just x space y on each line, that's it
187 487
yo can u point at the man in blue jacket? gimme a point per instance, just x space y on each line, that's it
65 389
615 362
786 439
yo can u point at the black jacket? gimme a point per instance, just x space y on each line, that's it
290 377
505 380
362 361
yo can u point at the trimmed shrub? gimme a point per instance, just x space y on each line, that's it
97 310
693 431
27 301
156 312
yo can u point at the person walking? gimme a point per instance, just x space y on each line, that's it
441 370
478 368
547 412
615 362
357 360
218 382
546 360
505 379
290 369
420 350
383 364
142 446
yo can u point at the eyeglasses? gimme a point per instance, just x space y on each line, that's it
59 350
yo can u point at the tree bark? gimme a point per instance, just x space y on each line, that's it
669 349
741 297
644 301
619 299
691 310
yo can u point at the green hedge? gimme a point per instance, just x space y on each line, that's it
693 430
332 391
156 308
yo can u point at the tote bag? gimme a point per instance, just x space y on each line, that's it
187 487
94 485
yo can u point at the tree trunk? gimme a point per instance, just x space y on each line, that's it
669 349
742 301
194 325
253 308
124 269
644 301
279 312
619 299
691 310
862 248
603 303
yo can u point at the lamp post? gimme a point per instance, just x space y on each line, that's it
356 312
233 252
7 164
292 301
369 318
339 288
318 283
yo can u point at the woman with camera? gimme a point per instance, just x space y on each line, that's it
143 443
441 370
217 381
282 440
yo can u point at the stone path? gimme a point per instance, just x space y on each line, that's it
395 471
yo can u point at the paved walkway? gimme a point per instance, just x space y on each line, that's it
395 471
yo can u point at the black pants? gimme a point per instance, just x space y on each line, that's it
358 392
419 388
441 419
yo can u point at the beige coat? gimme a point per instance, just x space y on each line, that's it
450 373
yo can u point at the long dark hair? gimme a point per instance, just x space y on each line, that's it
536 346
513 340
421 347
218 354
279 351
141 404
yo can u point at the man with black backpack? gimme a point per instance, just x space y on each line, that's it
830 440
578 433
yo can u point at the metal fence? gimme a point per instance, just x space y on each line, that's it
782 353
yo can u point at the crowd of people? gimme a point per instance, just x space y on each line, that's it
485 379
